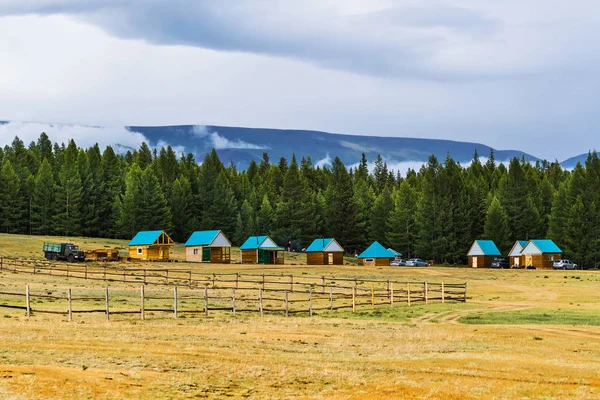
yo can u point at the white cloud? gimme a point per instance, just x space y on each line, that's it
85 136
219 142
323 162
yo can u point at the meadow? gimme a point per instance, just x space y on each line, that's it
521 334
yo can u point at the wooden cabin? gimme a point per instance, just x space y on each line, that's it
515 257
150 246
541 253
376 256
482 253
325 252
261 250
208 247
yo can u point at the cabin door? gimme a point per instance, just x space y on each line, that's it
528 260
330 258
264 257
474 262
206 254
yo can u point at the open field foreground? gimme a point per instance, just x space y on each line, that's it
521 334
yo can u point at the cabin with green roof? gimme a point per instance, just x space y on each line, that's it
209 247
541 253
515 256
261 250
482 253
325 252
150 246
376 256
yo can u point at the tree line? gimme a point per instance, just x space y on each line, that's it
433 213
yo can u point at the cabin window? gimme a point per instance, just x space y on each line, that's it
551 258
140 251
369 260
195 252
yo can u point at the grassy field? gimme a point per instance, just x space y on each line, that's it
521 334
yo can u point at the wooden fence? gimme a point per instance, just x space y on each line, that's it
194 292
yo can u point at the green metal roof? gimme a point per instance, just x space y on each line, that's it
376 250
488 247
202 238
546 246
145 238
318 245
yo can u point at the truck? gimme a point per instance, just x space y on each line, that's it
63 251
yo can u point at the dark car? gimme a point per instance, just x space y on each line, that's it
500 263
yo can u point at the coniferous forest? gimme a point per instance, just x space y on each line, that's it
433 213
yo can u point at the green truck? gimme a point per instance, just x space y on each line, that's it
63 251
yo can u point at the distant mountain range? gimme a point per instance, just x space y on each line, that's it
239 145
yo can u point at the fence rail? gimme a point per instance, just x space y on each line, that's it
193 292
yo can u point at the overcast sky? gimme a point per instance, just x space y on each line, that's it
518 74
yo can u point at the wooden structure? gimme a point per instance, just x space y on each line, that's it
482 253
325 252
150 246
515 257
261 250
540 253
376 256
102 255
208 246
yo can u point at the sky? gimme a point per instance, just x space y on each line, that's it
512 74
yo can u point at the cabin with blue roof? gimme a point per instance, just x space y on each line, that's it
325 251
261 250
376 256
209 247
541 253
516 258
150 246
482 253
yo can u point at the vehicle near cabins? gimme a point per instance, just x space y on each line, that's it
564 264
63 251
500 263
416 262
398 263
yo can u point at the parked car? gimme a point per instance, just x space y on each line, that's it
564 264
500 263
398 263
416 262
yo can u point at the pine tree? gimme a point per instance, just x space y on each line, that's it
382 208
496 226
68 194
181 202
43 203
428 241
11 203
155 212
264 217
401 224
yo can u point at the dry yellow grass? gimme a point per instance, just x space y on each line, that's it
339 356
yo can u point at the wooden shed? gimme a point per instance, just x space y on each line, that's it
376 256
482 253
515 256
325 252
150 246
541 253
261 250
209 247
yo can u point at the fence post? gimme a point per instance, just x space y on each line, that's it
167 276
233 300
372 296
354 299
107 310
34 265
1 265
291 283
175 302
388 288
286 303
70 309
260 301
443 296
144 276
206 300
124 276
237 280
85 271
310 301
263 281
105 273
392 293
323 283
425 293
331 299
27 303
214 276
142 303
408 294
190 278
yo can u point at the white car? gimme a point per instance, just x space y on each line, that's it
564 264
